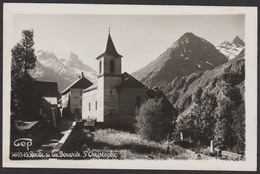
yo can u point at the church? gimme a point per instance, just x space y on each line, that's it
115 97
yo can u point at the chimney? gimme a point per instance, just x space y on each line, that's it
82 74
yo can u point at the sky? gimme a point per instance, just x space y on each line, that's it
138 38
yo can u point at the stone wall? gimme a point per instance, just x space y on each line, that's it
90 99
106 65
115 107
111 97
75 100
128 105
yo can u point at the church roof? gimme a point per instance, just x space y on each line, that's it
81 83
110 48
48 89
129 81
156 93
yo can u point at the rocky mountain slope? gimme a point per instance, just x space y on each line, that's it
64 71
231 49
187 55
180 91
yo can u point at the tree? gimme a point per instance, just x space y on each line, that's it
25 97
23 56
199 124
208 121
230 126
239 128
219 117
152 122
223 129
189 126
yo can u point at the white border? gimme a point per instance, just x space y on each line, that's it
250 93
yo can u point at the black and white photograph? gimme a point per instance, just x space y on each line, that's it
130 87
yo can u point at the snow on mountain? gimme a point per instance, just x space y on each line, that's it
64 70
231 50
78 66
187 55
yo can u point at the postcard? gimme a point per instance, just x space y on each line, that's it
129 87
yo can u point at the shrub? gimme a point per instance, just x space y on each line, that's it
153 122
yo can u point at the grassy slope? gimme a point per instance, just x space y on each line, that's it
132 146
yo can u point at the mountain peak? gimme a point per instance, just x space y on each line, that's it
46 55
226 43
62 70
238 41
190 34
191 38
236 38
187 55
187 36
231 49
74 56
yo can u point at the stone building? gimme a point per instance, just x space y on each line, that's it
71 98
115 96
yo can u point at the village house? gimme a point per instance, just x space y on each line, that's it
49 91
71 100
50 94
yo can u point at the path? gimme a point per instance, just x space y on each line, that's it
56 139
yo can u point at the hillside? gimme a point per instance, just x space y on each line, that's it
64 70
212 105
187 55
205 88
180 91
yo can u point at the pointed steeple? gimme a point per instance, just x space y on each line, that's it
110 48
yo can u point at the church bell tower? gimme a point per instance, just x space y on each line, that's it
109 79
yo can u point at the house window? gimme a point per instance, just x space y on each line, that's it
138 101
112 66
100 66
89 106
96 105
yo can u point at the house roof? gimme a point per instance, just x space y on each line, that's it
81 83
92 87
23 125
110 49
48 89
129 81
